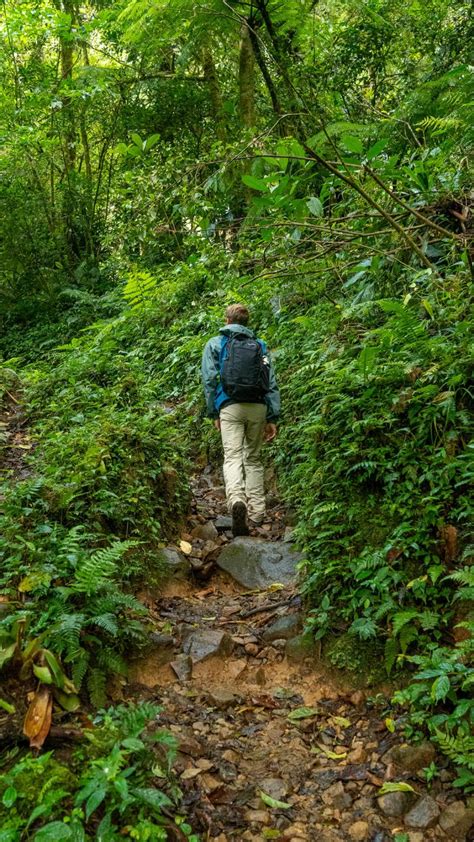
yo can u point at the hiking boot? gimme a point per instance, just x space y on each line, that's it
239 519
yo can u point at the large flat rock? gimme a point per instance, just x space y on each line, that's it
256 563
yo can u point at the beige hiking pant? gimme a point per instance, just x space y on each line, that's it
242 428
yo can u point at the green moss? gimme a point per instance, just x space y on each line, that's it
364 659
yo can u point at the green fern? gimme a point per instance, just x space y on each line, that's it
97 686
80 666
141 286
111 661
98 571
465 578
459 748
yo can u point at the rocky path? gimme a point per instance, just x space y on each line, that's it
271 745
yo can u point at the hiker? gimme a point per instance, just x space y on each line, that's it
243 399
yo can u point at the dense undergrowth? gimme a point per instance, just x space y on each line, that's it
345 228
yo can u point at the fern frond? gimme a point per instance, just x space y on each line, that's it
66 634
97 687
140 287
98 571
111 662
459 748
105 622
80 666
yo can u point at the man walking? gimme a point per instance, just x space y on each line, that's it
243 398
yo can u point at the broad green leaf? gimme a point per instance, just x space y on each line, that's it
353 144
273 802
254 183
137 140
440 688
376 149
43 673
390 725
68 701
95 800
9 797
153 797
7 653
151 141
10 835
395 786
315 206
53 832
56 670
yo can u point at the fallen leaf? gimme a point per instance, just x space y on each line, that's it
273 802
185 547
395 786
341 721
333 755
192 772
204 764
38 717
302 713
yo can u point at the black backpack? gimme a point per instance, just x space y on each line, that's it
244 368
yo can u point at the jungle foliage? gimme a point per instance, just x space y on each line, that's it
313 160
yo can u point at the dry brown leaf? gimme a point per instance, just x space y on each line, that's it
192 772
38 717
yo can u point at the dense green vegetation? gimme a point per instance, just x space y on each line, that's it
312 160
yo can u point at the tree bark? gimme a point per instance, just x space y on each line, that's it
210 74
246 77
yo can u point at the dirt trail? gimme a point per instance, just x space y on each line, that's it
272 745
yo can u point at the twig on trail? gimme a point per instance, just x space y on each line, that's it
268 607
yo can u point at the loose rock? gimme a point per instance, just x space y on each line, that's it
204 643
284 627
395 803
336 797
182 666
173 561
424 814
411 758
359 831
256 563
456 820
205 531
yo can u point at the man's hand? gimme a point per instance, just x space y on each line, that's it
217 424
270 432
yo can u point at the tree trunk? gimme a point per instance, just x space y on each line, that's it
210 73
246 78
69 133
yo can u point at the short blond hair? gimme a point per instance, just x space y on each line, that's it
237 314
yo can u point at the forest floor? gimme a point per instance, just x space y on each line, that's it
273 743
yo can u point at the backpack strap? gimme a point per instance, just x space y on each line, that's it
223 349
